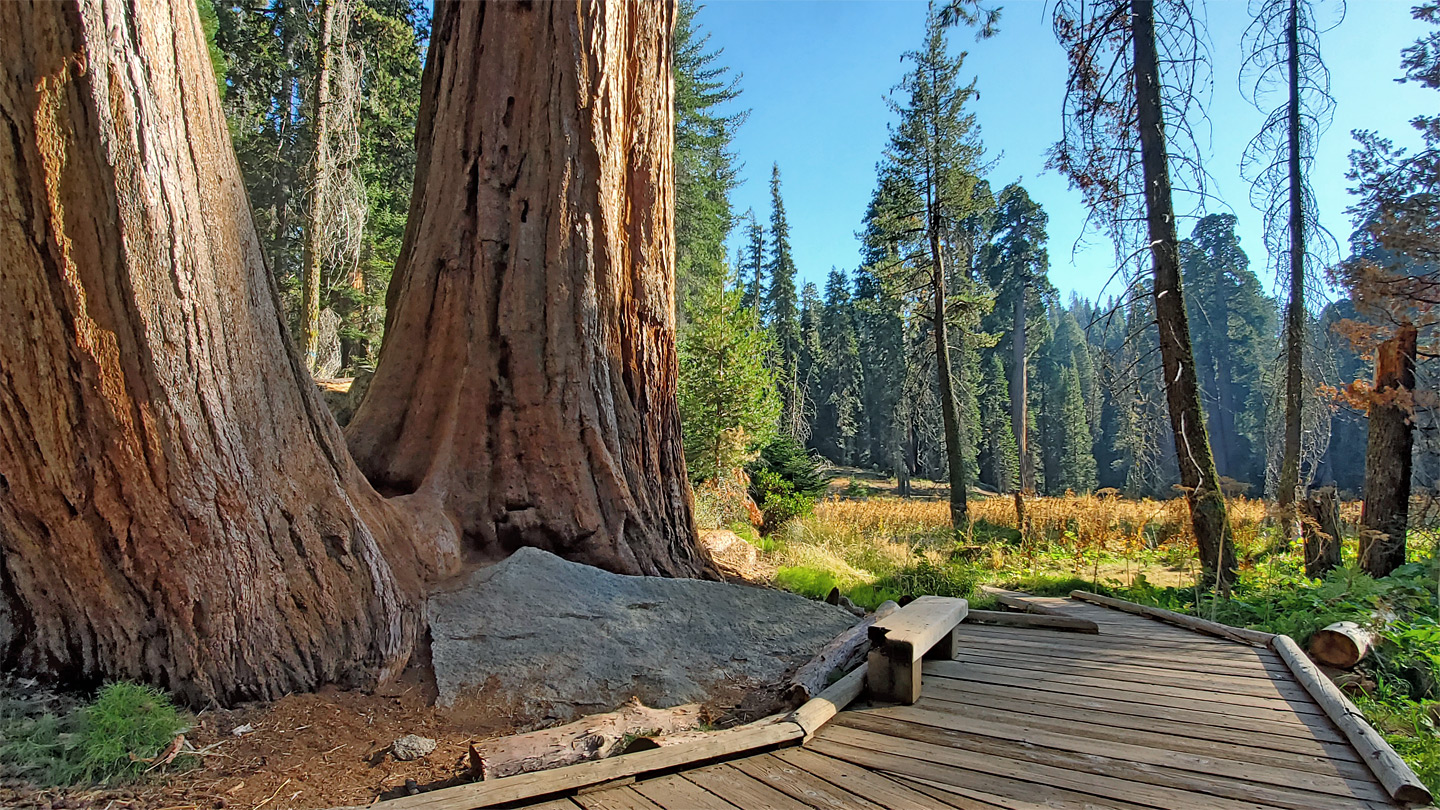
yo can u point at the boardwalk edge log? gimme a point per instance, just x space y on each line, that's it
1240 634
1389 768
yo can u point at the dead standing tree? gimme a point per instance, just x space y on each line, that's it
1282 56
1133 70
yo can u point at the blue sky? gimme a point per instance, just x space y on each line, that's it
816 75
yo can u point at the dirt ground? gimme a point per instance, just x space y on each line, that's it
306 751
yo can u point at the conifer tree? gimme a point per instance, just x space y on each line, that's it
1076 466
750 262
929 187
728 403
839 381
705 170
782 317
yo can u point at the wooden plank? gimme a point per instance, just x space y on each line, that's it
1020 601
621 798
1277 687
1317 728
943 729
534 785
898 641
742 790
557 804
818 710
997 776
1213 649
1393 773
677 793
1037 620
867 784
952 669
801 786
1162 667
1243 744
1102 776
1148 656
969 799
1240 634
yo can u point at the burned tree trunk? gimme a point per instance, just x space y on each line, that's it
176 504
527 380
1198 474
1384 518
1295 308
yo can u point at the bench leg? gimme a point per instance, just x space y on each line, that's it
893 674
945 648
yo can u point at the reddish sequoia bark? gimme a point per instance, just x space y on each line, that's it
1385 516
176 504
527 380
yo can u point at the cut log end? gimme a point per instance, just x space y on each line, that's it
1342 644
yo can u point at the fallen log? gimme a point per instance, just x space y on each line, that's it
1015 600
589 738
1038 620
1399 781
1342 644
844 653
1243 635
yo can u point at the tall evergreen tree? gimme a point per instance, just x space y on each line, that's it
1232 327
1076 467
929 187
782 317
705 165
750 262
839 379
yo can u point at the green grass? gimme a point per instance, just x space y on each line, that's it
91 744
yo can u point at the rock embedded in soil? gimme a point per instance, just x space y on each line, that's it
543 640
411 747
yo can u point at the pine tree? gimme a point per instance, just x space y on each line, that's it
782 318
705 170
929 187
1232 328
999 459
728 403
1077 461
750 262
840 380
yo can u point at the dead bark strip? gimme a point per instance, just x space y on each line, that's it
589 738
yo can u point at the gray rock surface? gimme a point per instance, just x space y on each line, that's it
411 746
546 640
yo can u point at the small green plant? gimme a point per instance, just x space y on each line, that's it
784 482
105 741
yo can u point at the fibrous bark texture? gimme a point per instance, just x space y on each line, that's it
1198 474
1384 519
176 503
528 375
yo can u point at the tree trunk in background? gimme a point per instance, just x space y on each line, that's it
949 408
528 375
176 503
319 166
1385 516
1197 466
1322 532
1289 483
1020 397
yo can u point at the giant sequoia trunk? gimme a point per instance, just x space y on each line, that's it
527 380
176 504
1385 517
1182 391
1020 397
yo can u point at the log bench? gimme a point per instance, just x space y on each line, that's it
925 628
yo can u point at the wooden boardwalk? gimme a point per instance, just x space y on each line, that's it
1142 716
